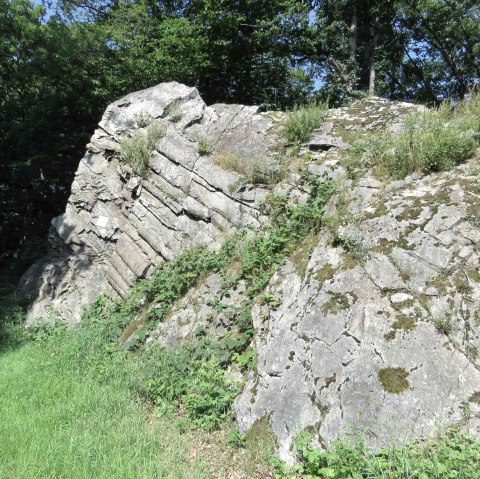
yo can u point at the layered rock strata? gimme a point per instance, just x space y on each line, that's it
117 226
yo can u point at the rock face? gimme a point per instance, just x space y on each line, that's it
377 307
117 226
376 323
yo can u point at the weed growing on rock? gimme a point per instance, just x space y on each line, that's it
453 454
444 324
258 171
174 111
135 149
230 162
203 145
302 120
433 140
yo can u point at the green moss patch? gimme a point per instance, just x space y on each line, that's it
336 303
324 273
394 380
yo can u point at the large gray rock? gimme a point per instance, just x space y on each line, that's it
381 304
118 227
358 338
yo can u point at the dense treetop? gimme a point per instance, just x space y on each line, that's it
59 71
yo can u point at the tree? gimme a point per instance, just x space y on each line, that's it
50 100
422 50
443 48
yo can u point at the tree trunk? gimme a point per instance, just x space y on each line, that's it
371 83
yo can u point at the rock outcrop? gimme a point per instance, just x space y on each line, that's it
117 227
376 321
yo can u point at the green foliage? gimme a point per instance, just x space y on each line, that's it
452 455
138 146
444 324
235 438
433 140
209 396
302 120
203 145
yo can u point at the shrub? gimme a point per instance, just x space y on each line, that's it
203 145
434 140
265 171
302 120
135 149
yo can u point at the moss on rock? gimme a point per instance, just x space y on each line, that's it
394 380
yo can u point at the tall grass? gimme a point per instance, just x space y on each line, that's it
136 148
302 120
59 423
433 140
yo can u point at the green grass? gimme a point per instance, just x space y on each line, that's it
135 149
56 423
434 140
302 120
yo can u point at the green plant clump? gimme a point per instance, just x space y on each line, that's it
135 149
258 171
394 380
203 145
302 120
454 455
433 140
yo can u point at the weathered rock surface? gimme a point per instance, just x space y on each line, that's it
117 226
354 313
359 335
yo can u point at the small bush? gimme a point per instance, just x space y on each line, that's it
302 120
265 171
203 145
434 140
135 149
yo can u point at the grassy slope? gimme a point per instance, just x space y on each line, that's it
55 424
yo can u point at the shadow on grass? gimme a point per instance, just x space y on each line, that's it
12 324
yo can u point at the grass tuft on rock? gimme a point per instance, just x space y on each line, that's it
302 120
432 140
135 149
